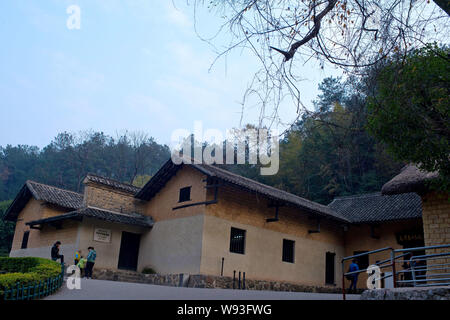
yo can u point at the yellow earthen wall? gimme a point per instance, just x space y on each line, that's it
35 210
263 252
160 207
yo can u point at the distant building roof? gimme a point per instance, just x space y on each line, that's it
115 184
169 169
375 207
101 214
410 179
63 198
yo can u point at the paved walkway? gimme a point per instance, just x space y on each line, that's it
114 290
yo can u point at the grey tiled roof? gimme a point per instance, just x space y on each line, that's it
169 169
115 184
63 198
268 191
101 214
54 195
375 207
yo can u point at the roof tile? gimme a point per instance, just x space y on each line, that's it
375 207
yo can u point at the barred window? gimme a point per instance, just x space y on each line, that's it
288 250
26 235
237 241
185 194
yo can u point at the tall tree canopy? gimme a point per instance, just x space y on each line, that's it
410 110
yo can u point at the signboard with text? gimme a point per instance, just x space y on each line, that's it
102 235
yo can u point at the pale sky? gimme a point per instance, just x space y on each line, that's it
133 65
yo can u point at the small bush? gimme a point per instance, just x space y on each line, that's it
9 280
27 270
148 270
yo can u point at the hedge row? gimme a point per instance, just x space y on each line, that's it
26 271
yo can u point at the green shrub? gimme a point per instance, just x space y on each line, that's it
9 280
27 264
26 270
148 270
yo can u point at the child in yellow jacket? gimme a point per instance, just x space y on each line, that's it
82 265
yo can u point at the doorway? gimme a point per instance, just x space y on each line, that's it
329 267
129 251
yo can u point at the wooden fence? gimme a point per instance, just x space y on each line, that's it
34 290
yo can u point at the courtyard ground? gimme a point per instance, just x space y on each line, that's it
114 290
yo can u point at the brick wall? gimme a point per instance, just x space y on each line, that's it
436 226
436 219
96 195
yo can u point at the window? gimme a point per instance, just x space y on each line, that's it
363 261
237 241
185 194
329 267
25 239
288 250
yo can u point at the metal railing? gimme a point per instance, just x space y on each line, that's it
422 270
34 290
419 270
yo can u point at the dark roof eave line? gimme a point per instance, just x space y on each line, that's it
158 178
203 170
21 194
65 216
308 210
80 214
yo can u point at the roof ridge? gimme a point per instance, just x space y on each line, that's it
363 195
265 185
112 180
111 211
51 186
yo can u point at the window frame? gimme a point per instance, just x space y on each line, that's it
238 247
189 188
285 255
25 238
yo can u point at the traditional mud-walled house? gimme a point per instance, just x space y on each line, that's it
201 219
435 206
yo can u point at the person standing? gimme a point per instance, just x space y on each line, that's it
82 265
77 257
55 252
92 255
353 277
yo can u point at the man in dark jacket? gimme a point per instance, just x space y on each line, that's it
55 252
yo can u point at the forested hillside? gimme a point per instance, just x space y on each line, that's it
131 157
328 153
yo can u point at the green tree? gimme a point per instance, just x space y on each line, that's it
410 110
6 230
69 157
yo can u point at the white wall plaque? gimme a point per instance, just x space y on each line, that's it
102 235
